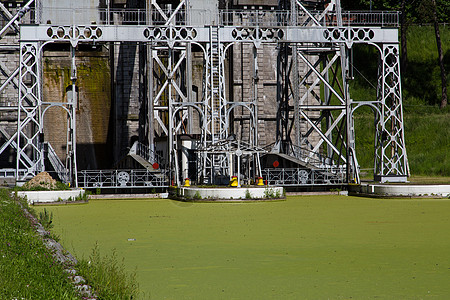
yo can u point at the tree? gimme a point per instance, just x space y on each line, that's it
413 11
441 55
403 39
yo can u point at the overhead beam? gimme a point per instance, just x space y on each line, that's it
171 34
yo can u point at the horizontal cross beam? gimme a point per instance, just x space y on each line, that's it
174 34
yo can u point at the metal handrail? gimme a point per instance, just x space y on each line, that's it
304 177
59 167
307 156
126 178
12 173
267 18
146 153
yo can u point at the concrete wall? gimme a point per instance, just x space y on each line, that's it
231 193
50 196
63 12
93 105
129 92
402 190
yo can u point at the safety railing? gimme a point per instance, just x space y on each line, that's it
304 177
146 153
11 173
200 17
122 179
305 155
286 18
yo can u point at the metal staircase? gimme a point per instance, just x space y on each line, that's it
56 163
146 157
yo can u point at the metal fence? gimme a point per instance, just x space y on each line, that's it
304 177
122 179
199 17
285 18
11 173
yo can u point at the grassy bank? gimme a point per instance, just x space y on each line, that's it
323 247
27 269
427 135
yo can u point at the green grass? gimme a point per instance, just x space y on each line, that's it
313 247
27 269
108 277
427 137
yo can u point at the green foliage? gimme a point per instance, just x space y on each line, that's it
83 197
59 187
427 142
248 195
417 11
426 135
27 269
108 276
270 193
197 196
422 81
46 219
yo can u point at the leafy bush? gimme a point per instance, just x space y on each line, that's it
46 219
108 276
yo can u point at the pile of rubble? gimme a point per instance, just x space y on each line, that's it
43 180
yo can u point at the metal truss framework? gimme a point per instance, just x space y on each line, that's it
170 37
31 111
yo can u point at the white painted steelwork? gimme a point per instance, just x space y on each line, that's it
321 40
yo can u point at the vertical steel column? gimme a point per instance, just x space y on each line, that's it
283 139
149 126
71 158
30 153
391 162
295 77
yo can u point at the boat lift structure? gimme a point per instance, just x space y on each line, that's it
317 136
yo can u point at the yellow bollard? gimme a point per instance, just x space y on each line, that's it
234 181
260 181
187 182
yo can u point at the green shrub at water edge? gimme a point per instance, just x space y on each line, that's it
108 276
197 195
46 219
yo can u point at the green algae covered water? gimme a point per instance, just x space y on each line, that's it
311 247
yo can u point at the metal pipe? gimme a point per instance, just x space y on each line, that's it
17 16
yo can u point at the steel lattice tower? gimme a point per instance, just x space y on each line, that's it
314 118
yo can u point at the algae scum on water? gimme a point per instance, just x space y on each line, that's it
311 247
